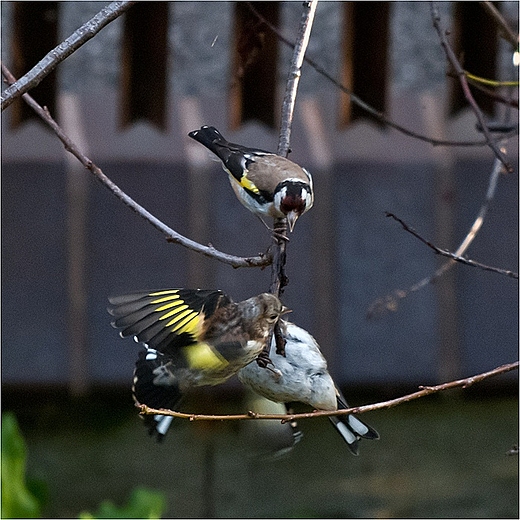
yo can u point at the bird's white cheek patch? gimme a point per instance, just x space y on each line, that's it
279 196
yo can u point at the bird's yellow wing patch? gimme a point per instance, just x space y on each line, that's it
248 185
202 356
243 181
181 317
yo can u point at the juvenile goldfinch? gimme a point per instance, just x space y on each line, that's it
193 338
302 376
265 183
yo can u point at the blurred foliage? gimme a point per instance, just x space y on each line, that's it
446 456
23 497
143 503
20 498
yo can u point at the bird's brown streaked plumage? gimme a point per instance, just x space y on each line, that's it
273 170
193 338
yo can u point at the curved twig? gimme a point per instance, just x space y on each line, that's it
293 80
422 392
390 302
450 54
63 50
171 235
365 106
448 254
507 32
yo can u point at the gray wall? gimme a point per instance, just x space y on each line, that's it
369 171
374 257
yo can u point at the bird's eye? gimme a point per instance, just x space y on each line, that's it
272 317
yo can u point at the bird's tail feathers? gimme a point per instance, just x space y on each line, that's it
296 432
351 428
209 137
145 391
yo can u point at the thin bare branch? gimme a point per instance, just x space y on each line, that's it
278 277
279 257
63 50
423 392
448 254
450 54
293 80
390 302
171 235
365 106
506 31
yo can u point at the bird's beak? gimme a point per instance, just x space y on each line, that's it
292 217
285 310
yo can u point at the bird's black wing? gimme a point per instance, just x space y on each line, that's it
169 321
146 391
235 158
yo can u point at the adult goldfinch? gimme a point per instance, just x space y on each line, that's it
265 183
302 376
193 338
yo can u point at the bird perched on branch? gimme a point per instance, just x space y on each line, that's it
265 183
302 376
193 338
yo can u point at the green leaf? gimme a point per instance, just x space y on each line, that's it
17 500
143 503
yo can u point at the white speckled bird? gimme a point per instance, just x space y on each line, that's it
265 183
302 376
193 338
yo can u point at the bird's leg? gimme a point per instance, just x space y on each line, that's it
263 360
275 234
279 231
277 237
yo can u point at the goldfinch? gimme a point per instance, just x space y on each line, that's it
265 183
302 376
192 338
